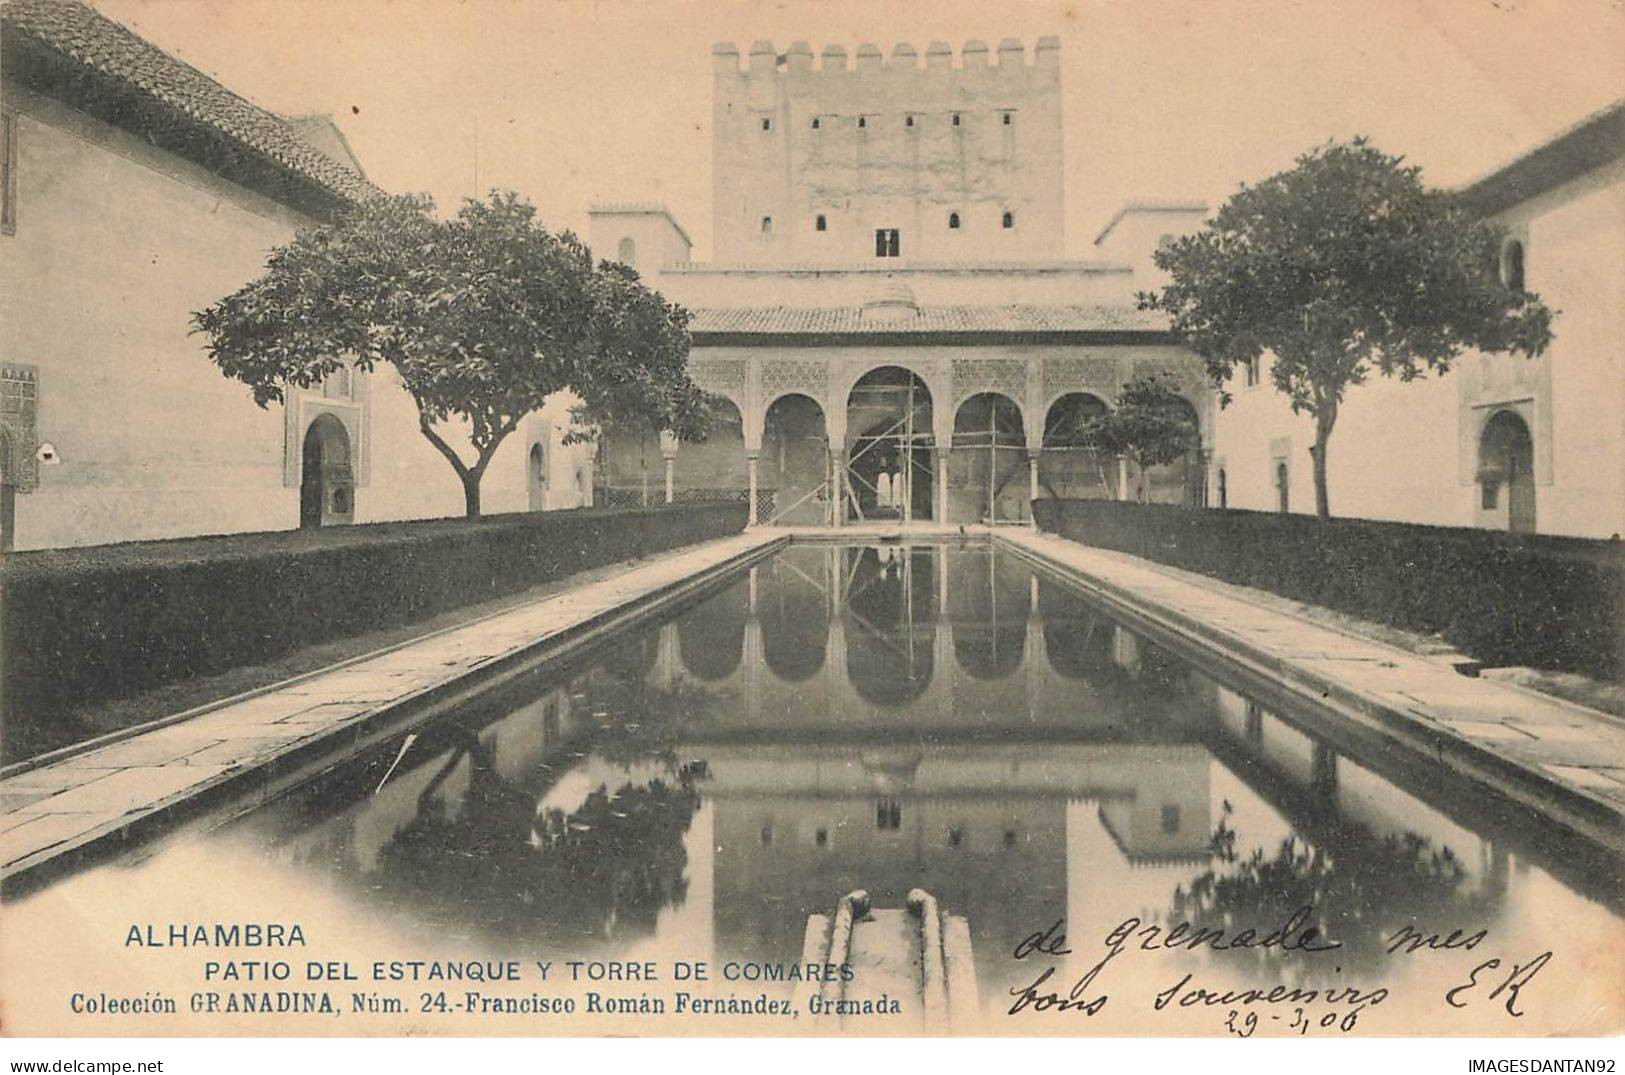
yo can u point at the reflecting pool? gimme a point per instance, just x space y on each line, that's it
883 717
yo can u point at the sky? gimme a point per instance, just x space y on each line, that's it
570 102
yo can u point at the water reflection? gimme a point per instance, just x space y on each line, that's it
883 717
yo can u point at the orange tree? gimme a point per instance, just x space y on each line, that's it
1342 265
483 316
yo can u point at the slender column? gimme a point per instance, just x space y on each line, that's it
942 485
668 449
1122 478
1032 480
750 462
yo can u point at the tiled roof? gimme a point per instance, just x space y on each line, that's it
82 36
930 320
1597 140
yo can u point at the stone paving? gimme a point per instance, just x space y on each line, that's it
1528 744
102 788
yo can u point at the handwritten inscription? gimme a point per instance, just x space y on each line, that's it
1288 1008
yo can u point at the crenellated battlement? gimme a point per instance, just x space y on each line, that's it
763 58
864 154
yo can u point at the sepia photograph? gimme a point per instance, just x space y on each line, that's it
760 520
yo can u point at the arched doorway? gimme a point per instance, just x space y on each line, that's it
795 460
1181 481
1065 467
326 481
889 468
536 477
1506 473
987 468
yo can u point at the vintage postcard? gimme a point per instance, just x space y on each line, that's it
530 519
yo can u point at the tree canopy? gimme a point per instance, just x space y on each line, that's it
483 316
1342 265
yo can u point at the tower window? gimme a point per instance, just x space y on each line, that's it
908 121
888 814
767 225
1009 219
767 123
953 221
956 119
820 223
888 243
863 121
1007 118
815 123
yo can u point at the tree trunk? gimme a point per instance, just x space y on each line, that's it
1323 435
471 493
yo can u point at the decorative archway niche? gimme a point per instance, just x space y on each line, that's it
988 464
890 448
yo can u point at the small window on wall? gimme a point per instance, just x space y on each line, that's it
953 221
888 243
815 123
1009 219
956 119
1512 265
767 123
8 166
820 223
767 225
1224 489
1283 487
1007 118
1250 371
888 814
627 251
1490 498
908 121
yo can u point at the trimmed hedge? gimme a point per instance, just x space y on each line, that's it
89 624
1504 599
